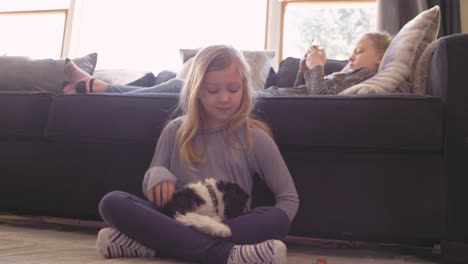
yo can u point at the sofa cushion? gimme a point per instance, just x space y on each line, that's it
186 54
421 72
287 71
44 75
271 79
393 122
23 115
401 57
396 123
109 118
259 62
438 81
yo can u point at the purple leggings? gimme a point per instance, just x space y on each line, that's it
140 220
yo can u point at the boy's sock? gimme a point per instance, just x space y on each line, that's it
78 81
270 251
112 243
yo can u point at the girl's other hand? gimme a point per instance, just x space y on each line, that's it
302 64
161 193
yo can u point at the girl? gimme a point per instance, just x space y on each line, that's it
363 64
215 136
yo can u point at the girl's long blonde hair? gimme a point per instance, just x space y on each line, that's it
214 58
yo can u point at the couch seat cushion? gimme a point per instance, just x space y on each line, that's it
23 114
109 118
393 122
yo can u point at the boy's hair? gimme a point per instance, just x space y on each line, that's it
381 40
214 58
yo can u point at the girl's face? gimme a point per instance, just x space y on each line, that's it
365 55
221 95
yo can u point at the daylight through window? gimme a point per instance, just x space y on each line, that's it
335 25
148 34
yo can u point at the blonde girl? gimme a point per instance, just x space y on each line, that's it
214 137
364 62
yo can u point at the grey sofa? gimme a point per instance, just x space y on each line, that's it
384 168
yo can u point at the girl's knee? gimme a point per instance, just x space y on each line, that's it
282 221
110 201
274 212
279 220
281 215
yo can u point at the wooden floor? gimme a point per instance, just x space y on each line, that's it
31 241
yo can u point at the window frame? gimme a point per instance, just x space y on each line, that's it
45 12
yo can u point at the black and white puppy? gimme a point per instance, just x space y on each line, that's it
205 204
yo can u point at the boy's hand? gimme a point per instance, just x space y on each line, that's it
161 193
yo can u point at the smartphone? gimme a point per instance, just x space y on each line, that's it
315 42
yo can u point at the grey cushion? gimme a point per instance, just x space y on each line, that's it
258 61
44 75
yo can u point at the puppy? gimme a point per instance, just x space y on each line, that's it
205 204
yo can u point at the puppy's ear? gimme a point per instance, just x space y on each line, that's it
234 198
182 202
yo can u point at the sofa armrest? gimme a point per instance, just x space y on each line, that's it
448 80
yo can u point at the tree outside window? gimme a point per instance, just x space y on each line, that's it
335 25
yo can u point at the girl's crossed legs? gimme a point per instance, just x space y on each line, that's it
139 219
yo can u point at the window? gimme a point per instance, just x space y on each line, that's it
29 28
336 25
147 34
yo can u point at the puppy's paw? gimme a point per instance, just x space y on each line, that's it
204 224
221 230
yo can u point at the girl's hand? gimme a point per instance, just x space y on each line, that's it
302 64
316 57
161 193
